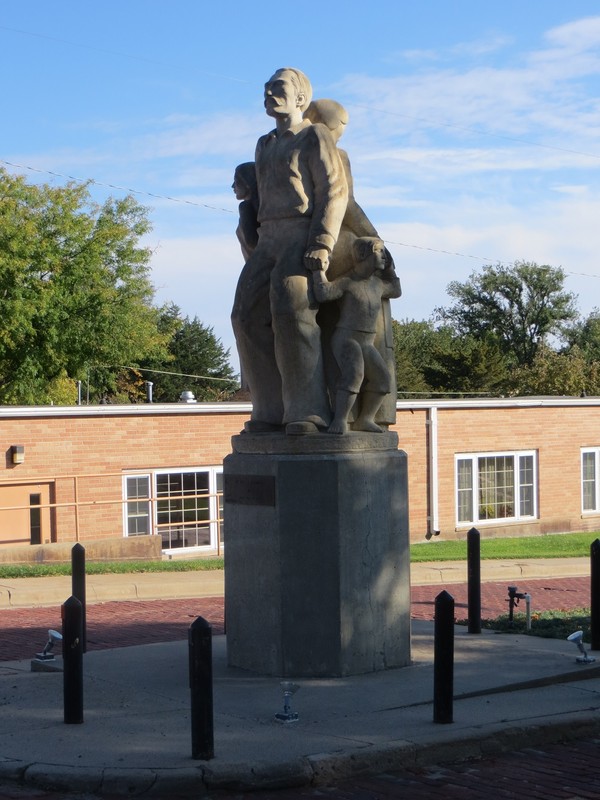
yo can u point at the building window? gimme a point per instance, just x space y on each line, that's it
184 507
589 479
495 486
137 507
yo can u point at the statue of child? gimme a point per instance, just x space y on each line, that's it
363 371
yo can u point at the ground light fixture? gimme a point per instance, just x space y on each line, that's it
577 638
289 689
53 638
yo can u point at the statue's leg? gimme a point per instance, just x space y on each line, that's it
251 321
297 335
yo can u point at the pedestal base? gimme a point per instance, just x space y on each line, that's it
317 573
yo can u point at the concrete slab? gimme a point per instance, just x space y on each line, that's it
509 691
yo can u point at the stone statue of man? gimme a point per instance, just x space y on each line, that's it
303 192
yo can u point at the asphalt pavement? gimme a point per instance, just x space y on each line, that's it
510 691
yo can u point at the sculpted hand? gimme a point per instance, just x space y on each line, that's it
316 258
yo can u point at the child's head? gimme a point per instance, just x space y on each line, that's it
244 182
369 254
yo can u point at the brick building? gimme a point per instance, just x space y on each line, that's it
119 477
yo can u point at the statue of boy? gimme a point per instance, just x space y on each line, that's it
362 368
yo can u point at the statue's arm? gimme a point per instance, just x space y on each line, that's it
325 290
330 190
391 286
248 223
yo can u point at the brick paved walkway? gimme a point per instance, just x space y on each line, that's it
24 631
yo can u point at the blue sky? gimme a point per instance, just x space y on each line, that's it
474 126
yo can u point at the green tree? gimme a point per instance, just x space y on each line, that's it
434 359
75 294
585 335
520 306
197 360
466 365
551 373
412 346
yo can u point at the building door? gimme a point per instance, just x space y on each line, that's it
25 517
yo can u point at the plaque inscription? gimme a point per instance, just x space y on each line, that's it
249 490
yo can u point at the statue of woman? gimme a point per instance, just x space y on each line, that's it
245 189
355 225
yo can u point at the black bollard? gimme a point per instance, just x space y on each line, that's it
443 658
78 585
72 645
595 594
201 686
474 580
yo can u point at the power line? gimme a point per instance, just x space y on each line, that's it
444 252
428 121
131 56
467 129
114 186
229 211
161 372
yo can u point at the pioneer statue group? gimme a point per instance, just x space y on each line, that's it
311 313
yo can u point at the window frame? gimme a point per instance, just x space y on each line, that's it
595 452
213 495
469 496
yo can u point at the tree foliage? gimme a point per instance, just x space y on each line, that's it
197 361
434 359
412 346
519 306
585 336
552 373
75 293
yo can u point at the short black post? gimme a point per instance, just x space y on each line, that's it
474 580
201 685
595 594
443 658
72 645
78 584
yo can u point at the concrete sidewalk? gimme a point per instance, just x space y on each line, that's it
24 592
510 691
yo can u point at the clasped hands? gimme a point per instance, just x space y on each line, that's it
316 259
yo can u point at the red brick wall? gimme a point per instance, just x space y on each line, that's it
99 449
104 446
556 434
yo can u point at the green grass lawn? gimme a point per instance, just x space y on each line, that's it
560 545
564 545
107 567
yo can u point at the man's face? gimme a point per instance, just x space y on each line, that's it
281 95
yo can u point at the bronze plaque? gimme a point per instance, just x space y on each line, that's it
249 490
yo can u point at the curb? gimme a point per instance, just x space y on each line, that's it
311 771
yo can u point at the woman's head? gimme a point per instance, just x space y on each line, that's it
244 182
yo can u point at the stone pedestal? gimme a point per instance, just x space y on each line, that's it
317 573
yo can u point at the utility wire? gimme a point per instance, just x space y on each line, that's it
114 186
146 60
161 372
378 111
229 211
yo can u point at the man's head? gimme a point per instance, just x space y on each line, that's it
287 91
330 113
